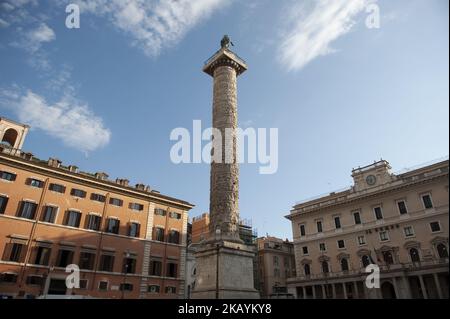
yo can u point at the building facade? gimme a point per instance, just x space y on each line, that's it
128 242
276 263
200 230
397 221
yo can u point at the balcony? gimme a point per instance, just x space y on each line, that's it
402 267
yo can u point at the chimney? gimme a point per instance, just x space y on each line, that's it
148 188
122 182
73 168
140 187
102 176
54 162
28 156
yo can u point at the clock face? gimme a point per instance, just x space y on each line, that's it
371 180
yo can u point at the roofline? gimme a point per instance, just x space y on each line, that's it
329 197
15 122
90 179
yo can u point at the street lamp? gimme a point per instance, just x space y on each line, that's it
127 255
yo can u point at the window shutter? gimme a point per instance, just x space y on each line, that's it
7 251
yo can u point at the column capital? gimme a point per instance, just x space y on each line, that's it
225 57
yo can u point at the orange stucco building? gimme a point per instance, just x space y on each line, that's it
129 242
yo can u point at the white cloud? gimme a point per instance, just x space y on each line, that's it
313 26
69 120
3 23
153 25
36 37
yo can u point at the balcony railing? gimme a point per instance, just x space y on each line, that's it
383 269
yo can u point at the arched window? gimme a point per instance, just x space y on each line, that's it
414 254
307 269
442 251
10 137
325 268
365 260
344 264
387 256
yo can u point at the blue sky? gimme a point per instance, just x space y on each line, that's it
106 96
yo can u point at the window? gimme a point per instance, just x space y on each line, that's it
302 230
155 268
35 280
361 240
93 222
319 226
322 247
172 270
27 210
72 218
129 265
337 222
35 183
136 206
78 193
49 214
8 277
106 262
305 250
112 225
384 236
276 273
3 203
14 252
325 267
103 285
307 269
8 176
402 207
387 257
133 229
286 262
365 260
126 287
414 254
344 264
175 215
87 260
357 218
341 243
275 260
427 202
98 197
42 255
160 212
378 212
171 290
442 250
83 283
153 288
174 237
116 202
65 258
57 188
409 231
159 234
435 227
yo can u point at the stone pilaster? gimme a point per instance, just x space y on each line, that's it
147 250
182 264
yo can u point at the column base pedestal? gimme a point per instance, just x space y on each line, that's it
225 271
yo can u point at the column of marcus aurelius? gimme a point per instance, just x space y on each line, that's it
224 262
